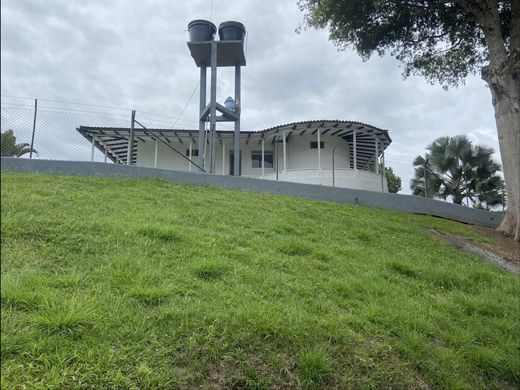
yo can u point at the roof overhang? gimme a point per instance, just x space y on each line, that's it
113 141
367 136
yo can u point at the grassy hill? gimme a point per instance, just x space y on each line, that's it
118 283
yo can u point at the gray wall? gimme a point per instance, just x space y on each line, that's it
406 203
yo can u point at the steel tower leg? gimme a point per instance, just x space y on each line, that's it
238 104
213 108
200 159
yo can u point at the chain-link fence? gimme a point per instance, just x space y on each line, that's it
47 129
54 130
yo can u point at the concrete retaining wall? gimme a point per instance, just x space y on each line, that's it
406 203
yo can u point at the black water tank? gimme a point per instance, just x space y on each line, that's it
231 31
201 30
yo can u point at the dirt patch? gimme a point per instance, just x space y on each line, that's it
505 253
505 246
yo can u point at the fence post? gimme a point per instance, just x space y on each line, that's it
34 127
425 179
333 172
130 151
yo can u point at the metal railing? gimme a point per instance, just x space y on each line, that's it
333 177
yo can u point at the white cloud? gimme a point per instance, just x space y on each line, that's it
134 54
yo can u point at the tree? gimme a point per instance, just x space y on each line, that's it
393 181
455 168
492 200
9 147
494 197
443 41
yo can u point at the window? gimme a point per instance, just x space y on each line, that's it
256 159
194 152
314 145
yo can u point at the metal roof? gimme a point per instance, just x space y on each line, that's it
114 140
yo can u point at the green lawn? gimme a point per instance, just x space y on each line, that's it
118 283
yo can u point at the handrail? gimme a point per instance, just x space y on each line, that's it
296 170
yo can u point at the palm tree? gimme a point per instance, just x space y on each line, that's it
9 147
454 168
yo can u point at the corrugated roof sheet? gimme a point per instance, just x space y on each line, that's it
114 140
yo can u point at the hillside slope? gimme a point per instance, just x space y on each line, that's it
141 283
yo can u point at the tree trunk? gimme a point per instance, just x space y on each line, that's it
504 84
457 198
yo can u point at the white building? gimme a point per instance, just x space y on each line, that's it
350 154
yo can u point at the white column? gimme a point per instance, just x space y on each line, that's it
377 155
319 152
106 153
284 154
191 154
263 153
355 151
93 148
155 156
131 136
383 171
223 157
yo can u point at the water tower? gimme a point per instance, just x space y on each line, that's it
208 52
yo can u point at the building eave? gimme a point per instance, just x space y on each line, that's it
113 141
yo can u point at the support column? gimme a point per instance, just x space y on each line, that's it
93 148
276 153
223 157
333 167
191 155
284 153
202 106
377 155
155 154
263 156
355 152
213 108
319 152
130 150
238 104
383 173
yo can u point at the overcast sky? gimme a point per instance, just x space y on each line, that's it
133 54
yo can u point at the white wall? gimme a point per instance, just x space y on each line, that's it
302 161
299 154
168 159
